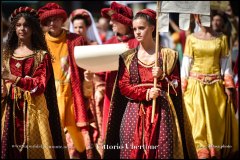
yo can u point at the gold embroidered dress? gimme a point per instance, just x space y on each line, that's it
205 74
28 117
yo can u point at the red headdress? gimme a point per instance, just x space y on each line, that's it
49 10
118 12
23 10
151 13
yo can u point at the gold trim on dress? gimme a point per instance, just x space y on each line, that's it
146 65
205 78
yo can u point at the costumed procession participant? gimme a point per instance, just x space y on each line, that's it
207 81
130 133
104 30
121 20
82 23
236 81
30 125
69 78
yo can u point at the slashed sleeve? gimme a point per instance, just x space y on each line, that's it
37 83
126 88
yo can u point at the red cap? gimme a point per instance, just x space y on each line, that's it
151 13
118 12
49 10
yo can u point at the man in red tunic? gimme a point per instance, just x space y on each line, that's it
121 20
69 78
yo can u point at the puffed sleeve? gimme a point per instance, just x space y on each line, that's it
224 46
186 62
37 83
188 50
126 88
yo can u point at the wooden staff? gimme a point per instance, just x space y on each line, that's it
156 60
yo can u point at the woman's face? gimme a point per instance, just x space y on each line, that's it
142 30
23 29
54 24
118 27
217 23
80 27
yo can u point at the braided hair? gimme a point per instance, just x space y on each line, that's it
37 38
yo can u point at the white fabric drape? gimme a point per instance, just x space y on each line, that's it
186 66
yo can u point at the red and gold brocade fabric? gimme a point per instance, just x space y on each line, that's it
39 77
77 78
145 133
36 76
130 114
110 76
139 93
38 82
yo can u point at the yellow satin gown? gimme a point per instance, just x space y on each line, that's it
213 122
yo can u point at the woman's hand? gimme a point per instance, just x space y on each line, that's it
156 72
6 75
184 83
88 75
154 93
98 96
95 135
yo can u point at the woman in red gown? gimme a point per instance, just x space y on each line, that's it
130 133
30 117
120 17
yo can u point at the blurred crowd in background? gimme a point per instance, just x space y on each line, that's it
225 20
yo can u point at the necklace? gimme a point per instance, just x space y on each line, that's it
146 64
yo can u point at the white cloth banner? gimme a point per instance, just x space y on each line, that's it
184 21
196 7
99 58
184 8
163 21
205 20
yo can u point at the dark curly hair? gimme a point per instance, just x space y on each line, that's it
37 38
83 18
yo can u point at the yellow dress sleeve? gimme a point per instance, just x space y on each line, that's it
224 45
188 51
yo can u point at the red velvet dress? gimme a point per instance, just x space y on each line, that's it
36 84
109 78
236 98
139 138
